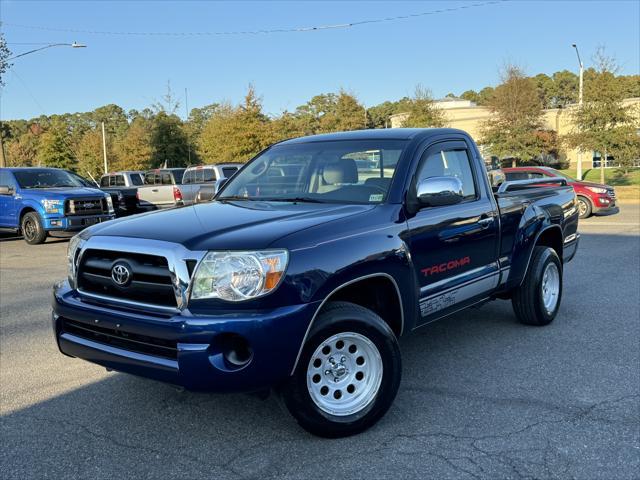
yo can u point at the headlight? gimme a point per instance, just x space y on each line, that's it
72 251
109 204
597 189
52 206
238 276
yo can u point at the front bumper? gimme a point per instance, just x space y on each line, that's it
196 360
74 223
604 204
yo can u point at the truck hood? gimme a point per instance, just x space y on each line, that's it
62 193
582 183
235 225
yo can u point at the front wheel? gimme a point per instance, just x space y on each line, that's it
584 207
348 373
537 300
32 229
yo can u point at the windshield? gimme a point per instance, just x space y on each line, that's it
333 172
46 178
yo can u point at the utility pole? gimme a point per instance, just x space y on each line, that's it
186 107
104 150
579 166
3 161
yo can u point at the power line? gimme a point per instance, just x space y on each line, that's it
262 31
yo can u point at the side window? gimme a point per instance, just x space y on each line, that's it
104 182
534 175
6 180
208 175
512 176
119 180
149 178
166 179
449 163
136 179
188 177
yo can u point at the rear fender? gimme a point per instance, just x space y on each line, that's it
535 223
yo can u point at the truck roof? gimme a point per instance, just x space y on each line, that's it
374 134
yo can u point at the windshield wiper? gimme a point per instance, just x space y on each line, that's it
234 197
291 199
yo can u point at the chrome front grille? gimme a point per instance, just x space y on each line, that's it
149 278
159 273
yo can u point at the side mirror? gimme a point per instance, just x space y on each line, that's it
439 191
6 190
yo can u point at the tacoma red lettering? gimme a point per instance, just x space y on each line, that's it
444 267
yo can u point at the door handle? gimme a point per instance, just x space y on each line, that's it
154 190
485 222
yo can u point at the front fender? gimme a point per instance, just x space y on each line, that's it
31 204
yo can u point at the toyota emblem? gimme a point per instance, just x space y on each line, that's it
121 274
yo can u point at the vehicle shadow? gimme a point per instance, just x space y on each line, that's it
14 237
475 385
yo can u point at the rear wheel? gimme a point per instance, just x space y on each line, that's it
584 207
32 230
348 373
537 300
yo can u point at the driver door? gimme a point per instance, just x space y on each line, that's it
454 247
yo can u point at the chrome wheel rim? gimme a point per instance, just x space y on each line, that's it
344 374
582 207
550 287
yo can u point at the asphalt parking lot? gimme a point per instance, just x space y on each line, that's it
481 395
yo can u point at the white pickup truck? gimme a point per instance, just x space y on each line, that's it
161 189
201 183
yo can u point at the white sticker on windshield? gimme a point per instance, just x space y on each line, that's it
376 197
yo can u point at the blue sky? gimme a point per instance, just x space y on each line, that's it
448 52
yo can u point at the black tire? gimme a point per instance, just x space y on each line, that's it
528 300
32 230
584 207
337 318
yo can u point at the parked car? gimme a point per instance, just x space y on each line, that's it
592 197
161 189
123 188
201 183
39 201
305 282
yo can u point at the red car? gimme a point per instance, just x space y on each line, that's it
592 197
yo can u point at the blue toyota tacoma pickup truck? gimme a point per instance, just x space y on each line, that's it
38 201
311 263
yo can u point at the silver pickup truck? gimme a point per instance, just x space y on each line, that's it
161 189
201 183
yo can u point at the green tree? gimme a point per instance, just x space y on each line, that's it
134 150
55 150
168 141
346 114
565 89
471 95
485 96
423 111
235 134
90 157
603 123
23 150
516 117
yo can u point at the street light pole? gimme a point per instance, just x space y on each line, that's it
51 45
579 169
